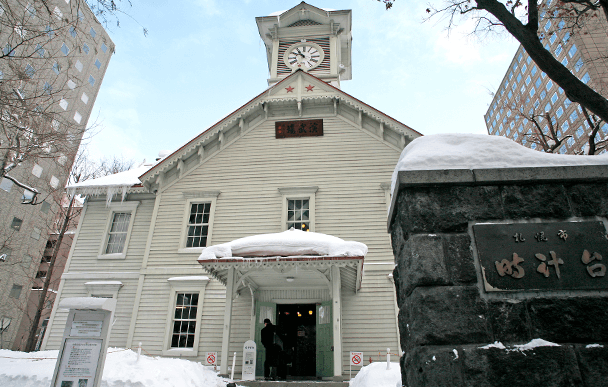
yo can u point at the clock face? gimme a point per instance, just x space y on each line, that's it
305 56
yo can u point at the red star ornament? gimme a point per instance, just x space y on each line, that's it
309 88
289 89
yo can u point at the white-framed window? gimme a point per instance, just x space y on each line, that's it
298 208
197 224
118 230
184 315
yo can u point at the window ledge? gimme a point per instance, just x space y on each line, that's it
190 250
180 352
112 256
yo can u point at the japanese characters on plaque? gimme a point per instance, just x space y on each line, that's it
542 256
305 128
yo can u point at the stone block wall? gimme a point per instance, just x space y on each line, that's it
444 315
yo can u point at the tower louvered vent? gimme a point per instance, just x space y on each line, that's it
306 22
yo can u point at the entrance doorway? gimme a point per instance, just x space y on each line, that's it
297 327
307 333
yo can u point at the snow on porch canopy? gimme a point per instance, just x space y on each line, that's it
291 249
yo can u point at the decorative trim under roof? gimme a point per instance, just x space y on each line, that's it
218 267
260 99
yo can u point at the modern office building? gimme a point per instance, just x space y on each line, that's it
53 60
526 89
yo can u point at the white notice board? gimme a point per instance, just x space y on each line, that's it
249 355
86 328
79 363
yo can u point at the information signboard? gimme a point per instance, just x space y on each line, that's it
249 353
86 328
79 363
85 341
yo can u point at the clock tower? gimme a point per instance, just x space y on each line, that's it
308 38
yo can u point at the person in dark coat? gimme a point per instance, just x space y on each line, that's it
270 362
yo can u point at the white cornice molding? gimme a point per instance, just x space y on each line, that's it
200 194
298 190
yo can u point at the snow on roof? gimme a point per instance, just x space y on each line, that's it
287 243
476 151
111 184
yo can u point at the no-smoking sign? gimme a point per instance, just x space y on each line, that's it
356 358
210 358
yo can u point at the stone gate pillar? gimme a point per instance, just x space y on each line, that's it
503 256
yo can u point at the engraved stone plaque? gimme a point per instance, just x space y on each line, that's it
542 255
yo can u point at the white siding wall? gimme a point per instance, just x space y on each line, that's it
347 164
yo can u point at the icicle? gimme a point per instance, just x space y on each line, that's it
109 197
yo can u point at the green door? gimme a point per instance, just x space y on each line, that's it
263 310
325 340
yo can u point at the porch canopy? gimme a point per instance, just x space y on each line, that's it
292 259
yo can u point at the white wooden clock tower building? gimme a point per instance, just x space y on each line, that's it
300 154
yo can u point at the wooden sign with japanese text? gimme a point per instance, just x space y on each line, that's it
542 255
303 128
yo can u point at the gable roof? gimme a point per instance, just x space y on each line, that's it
316 90
274 93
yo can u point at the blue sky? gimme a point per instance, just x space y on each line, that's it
202 59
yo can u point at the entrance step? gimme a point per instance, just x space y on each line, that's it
291 383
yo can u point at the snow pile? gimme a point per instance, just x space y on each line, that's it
496 344
21 369
594 346
111 184
376 375
471 151
534 344
522 347
287 243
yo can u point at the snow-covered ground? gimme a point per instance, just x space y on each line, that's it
376 375
122 369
